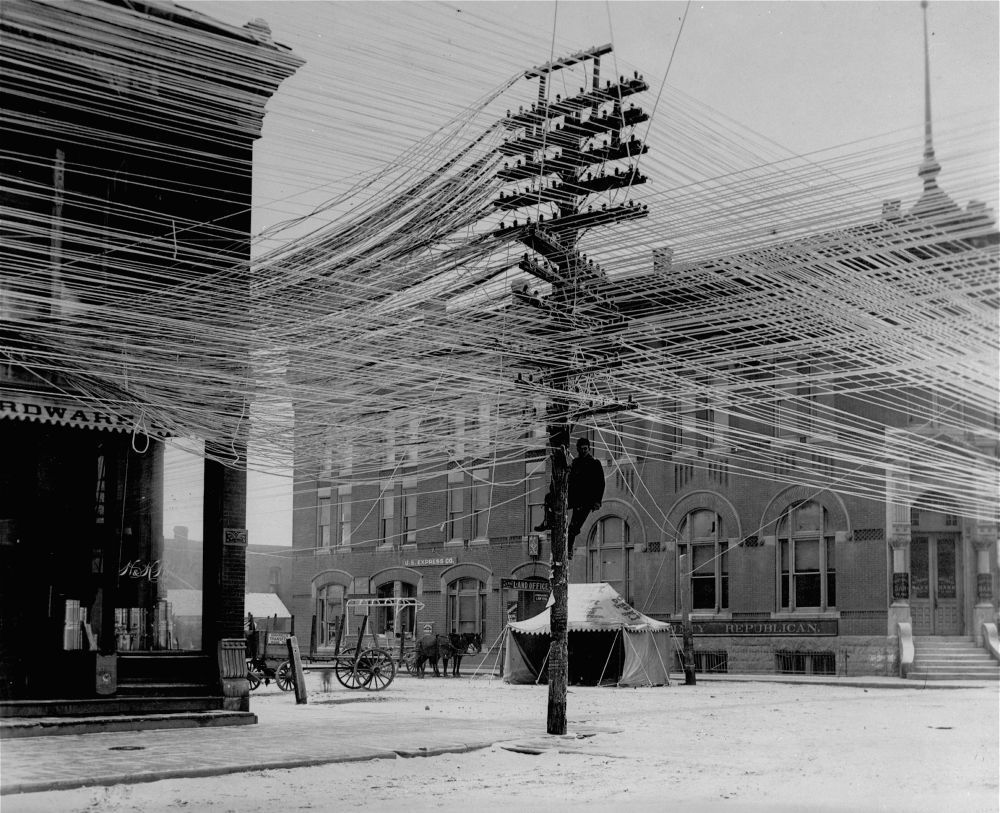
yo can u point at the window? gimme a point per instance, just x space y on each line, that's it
387 514
609 555
274 579
701 426
100 495
456 505
409 529
323 518
807 558
466 606
330 607
796 400
481 488
344 516
536 486
411 456
702 538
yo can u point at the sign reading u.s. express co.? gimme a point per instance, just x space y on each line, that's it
826 626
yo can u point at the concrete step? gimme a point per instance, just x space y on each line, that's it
131 706
957 658
978 674
945 644
14 728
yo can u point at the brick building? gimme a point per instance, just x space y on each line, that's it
790 572
123 192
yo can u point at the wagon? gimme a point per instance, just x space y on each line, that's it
267 659
371 668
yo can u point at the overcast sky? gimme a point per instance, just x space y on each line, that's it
805 75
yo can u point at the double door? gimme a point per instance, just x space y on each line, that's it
934 569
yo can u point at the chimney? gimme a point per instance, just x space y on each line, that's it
891 209
663 259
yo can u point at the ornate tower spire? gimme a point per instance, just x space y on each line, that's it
929 168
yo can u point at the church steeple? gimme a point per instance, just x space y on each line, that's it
933 202
930 168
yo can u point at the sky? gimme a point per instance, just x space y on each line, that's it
803 77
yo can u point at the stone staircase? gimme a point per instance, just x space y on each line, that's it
951 657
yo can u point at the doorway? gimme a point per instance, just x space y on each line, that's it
934 599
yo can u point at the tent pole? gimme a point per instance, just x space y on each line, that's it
607 660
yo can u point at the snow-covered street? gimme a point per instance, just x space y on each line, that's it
720 745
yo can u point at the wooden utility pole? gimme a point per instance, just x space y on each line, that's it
569 150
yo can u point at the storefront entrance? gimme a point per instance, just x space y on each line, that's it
934 569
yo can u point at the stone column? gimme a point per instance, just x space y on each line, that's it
899 610
984 537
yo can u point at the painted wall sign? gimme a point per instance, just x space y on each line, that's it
525 585
818 627
900 585
139 569
443 560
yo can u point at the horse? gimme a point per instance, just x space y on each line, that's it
431 648
462 643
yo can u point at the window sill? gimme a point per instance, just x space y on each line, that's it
455 543
479 540
701 615
807 612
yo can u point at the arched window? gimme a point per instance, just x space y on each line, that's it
467 606
387 619
807 561
702 538
329 609
609 555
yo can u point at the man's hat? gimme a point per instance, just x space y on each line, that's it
428 627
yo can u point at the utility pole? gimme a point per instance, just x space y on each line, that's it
567 152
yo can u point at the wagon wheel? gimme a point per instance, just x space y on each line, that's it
380 666
283 677
350 675
410 662
253 677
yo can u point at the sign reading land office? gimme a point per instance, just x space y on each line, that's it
819 627
524 585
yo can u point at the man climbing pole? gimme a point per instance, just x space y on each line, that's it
586 492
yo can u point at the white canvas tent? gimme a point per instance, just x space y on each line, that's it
608 640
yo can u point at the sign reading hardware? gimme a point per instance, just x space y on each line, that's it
443 560
817 627
36 407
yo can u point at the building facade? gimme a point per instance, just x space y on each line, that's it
758 489
115 206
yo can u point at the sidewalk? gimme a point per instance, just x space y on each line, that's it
337 726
